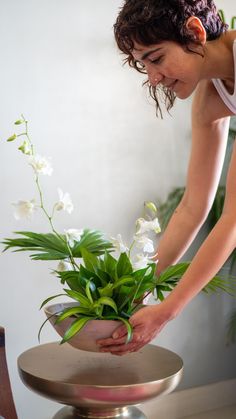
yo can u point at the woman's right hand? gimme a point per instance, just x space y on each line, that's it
146 322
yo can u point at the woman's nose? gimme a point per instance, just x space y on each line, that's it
154 77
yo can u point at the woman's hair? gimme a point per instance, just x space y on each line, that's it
151 21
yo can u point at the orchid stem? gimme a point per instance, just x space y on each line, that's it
72 260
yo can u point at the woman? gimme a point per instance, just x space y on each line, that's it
184 47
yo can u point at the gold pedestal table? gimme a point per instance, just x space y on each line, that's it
99 385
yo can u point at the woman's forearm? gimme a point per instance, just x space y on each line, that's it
207 262
178 236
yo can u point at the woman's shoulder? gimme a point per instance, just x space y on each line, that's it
230 36
207 105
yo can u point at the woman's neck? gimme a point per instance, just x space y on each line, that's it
219 59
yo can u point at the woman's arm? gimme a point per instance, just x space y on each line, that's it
214 251
209 139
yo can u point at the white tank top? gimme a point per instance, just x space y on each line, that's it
228 99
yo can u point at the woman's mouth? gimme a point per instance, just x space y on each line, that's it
172 85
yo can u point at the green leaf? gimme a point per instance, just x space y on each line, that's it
45 321
129 294
49 299
71 312
104 277
85 273
123 281
144 279
151 272
108 302
144 289
75 328
106 291
125 296
110 264
174 271
136 293
72 279
19 122
124 266
160 295
129 329
88 292
91 261
84 301
127 324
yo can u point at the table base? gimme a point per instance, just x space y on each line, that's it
69 412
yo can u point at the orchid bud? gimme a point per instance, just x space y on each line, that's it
19 122
151 206
25 148
12 138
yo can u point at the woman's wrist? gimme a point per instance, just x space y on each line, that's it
171 308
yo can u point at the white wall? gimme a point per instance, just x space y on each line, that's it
60 67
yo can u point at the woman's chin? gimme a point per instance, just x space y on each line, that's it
183 91
183 94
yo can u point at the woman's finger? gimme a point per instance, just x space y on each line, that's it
117 349
111 341
119 332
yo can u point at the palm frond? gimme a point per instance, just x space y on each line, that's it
51 246
173 274
94 242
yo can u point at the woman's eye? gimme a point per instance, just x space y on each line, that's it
157 60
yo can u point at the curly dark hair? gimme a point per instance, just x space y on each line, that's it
148 22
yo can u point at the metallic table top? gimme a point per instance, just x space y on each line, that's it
79 378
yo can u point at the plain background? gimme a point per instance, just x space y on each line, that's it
61 68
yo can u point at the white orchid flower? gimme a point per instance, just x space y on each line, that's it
63 266
40 165
73 235
119 244
64 202
144 243
144 226
141 261
24 209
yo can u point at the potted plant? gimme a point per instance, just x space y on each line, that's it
100 285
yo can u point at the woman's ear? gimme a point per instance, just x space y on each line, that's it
195 27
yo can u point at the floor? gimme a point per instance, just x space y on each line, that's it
228 412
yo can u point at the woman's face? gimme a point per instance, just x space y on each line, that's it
169 64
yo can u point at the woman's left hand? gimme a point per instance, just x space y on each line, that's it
146 322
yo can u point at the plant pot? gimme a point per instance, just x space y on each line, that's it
91 332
